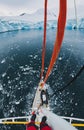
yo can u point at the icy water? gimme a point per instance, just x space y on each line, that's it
20 66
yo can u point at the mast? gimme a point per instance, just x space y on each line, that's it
76 13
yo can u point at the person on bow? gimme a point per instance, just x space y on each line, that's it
44 125
44 97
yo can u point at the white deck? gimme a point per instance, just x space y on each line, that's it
56 122
37 100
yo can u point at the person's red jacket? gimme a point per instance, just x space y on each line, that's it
45 126
31 126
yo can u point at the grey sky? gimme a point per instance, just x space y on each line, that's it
15 7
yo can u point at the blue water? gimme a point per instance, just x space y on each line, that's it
20 66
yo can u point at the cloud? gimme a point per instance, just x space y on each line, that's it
14 7
13 2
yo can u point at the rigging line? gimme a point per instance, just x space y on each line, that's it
67 62
77 75
70 82
68 59
72 50
44 37
59 36
61 74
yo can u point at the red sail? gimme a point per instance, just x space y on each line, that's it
59 36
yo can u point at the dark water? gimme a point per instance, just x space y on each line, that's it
20 65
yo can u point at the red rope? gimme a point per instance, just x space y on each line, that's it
44 37
59 36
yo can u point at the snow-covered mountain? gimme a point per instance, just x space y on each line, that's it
35 21
34 17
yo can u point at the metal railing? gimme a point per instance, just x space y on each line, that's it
17 120
72 119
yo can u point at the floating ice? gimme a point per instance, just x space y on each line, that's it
31 56
1 87
21 67
17 102
11 111
4 74
26 68
35 56
17 78
60 58
72 75
76 104
8 94
9 81
72 114
3 61
8 77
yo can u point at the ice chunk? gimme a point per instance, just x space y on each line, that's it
9 82
11 111
35 56
3 61
4 74
72 75
60 58
17 102
1 87
71 114
76 104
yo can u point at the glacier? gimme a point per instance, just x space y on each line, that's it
24 25
35 21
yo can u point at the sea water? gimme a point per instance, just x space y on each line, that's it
20 67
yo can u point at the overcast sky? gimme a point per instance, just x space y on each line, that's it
16 7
